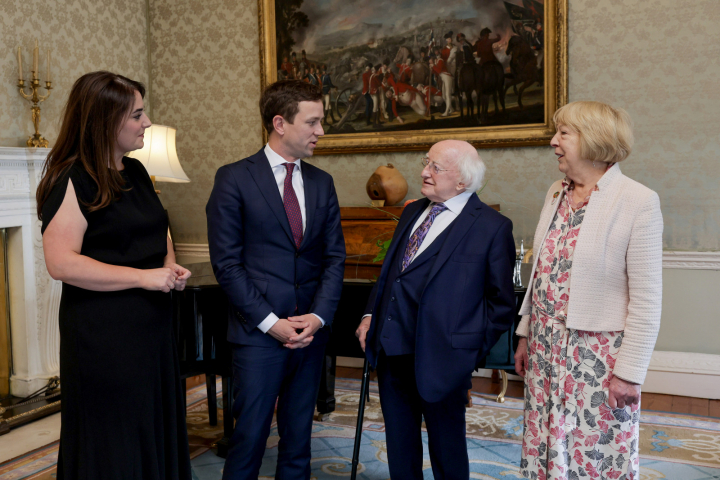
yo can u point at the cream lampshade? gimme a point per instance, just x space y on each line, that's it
160 156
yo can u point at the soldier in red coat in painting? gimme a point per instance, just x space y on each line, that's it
408 96
432 96
445 81
448 48
288 67
405 71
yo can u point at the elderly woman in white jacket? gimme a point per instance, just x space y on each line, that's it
592 312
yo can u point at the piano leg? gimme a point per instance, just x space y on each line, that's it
183 386
212 398
326 394
223 444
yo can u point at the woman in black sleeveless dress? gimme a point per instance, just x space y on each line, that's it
105 236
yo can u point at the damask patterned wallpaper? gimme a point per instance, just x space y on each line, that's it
205 83
84 36
656 59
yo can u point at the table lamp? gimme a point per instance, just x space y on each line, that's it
159 156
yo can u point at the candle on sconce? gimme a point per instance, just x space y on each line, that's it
36 53
34 96
20 75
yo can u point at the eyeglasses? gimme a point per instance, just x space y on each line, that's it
433 166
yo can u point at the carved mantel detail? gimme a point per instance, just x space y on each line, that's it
34 295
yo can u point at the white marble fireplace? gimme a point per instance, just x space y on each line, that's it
34 296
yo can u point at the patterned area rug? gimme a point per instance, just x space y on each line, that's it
672 446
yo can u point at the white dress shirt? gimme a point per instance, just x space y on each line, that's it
277 163
454 206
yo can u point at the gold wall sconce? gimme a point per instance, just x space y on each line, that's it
34 97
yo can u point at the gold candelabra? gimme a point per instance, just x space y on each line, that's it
34 97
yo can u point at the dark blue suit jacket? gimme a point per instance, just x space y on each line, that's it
253 254
468 300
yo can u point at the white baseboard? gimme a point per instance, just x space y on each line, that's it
682 373
671 373
25 386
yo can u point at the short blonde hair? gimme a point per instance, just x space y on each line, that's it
605 132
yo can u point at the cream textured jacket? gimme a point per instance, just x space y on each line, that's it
616 277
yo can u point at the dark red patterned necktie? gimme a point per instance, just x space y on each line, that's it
292 207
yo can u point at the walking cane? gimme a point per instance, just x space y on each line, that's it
361 413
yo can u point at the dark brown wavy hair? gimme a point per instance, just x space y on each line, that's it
283 97
98 105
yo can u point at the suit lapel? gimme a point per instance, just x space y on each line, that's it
404 232
310 188
428 253
401 234
265 180
459 228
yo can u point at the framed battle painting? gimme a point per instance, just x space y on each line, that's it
403 75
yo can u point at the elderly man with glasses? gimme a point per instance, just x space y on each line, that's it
444 296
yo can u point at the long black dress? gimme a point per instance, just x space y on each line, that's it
122 412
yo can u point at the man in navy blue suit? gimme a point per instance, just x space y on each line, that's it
444 297
277 250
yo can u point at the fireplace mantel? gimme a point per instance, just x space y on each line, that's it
34 296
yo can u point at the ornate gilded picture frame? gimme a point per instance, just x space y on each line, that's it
403 76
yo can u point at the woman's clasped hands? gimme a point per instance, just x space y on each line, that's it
170 277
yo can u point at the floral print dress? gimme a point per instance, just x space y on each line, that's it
570 431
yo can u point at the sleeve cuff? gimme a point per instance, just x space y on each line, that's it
626 380
322 322
523 328
269 321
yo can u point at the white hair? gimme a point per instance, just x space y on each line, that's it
471 168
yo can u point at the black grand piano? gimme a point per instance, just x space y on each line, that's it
201 312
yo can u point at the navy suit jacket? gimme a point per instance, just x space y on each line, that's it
467 302
254 256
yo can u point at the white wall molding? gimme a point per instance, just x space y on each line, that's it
691 260
192 249
684 362
683 373
671 259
